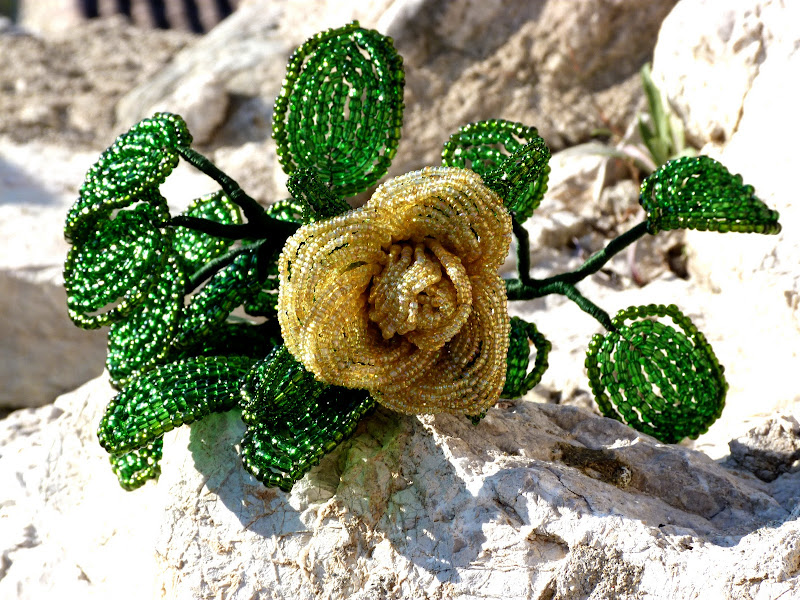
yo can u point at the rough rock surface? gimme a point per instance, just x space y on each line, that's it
569 68
755 47
538 501
42 353
542 501
770 449
65 88
56 114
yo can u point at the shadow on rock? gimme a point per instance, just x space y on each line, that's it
42 354
534 486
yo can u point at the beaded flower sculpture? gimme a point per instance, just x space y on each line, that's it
397 302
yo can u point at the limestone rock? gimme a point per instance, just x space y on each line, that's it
43 354
551 501
769 450
66 526
65 87
750 50
547 64
704 48
240 58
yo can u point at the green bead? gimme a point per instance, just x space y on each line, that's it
510 157
293 420
110 272
340 109
143 338
133 469
128 171
228 289
700 193
290 210
264 301
168 396
661 381
518 382
484 145
197 248
317 200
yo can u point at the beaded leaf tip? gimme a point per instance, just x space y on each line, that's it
307 313
662 381
700 193
340 109
510 157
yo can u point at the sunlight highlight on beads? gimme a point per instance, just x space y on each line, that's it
402 297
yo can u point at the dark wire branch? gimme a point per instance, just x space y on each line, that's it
527 288
523 251
252 210
212 267
272 232
596 261
586 305
222 230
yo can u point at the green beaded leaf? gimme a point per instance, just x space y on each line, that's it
169 396
137 162
662 381
340 109
274 385
109 274
197 248
700 193
293 420
484 145
225 291
315 197
233 338
133 469
518 381
264 302
510 157
289 210
143 338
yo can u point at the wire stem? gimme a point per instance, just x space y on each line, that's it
252 210
597 260
527 288
523 251
231 232
212 267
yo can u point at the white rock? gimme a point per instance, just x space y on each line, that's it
43 354
201 100
536 501
749 50
66 526
704 48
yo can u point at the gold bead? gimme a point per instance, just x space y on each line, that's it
402 297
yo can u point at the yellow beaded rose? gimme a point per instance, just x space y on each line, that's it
402 297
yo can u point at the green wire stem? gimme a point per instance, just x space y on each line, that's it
527 288
252 209
260 225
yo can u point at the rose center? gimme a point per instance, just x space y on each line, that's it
423 293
